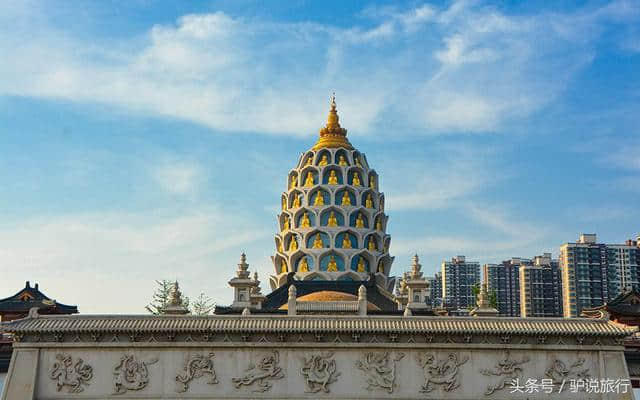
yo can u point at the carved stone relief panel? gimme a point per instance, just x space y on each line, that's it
71 375
259 374
379 369
507 369
559 372
319 371
440 372
196 367
131 374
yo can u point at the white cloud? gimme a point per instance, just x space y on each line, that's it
178 177
116 257
466 68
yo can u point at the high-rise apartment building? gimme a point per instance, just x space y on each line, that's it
541 288
503 280
436 290
459 277
593 273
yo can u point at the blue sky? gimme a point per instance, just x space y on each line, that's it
144 140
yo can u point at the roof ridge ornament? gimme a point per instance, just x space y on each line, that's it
333 135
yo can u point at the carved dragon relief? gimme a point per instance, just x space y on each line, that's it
319 370
67 373
131 374
507 369
440 372
261 373
559 372
196 367
379 369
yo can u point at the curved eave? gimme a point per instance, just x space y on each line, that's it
310 324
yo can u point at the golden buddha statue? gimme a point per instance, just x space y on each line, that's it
285 224
332 266
358 162
346 242
346 199
359 221
305 222
317 242
369 201
280 246
372 183
361 267
333 178
380 267
283 267
319 200
308 182
303 266
342 161
372 244
332 222
324 161
379 224
296 201
356 179
284 204
294 182
293 244
309 161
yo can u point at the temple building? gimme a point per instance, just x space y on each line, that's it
336 324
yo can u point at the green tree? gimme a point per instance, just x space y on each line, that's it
202 305
493 299
475 290
161 297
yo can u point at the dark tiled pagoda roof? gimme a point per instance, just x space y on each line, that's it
627 304
31 297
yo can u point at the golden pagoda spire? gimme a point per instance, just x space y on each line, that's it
333 135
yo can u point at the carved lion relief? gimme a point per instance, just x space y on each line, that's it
440 372
319 371
131 374
196 367
259 374
72 375
379 369
507 369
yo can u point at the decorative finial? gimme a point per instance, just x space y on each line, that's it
333 135
243 267
174 302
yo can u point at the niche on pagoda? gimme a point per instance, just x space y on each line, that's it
293 180
380 222
359 219
345 197
368 199
332 217
332 176
342 158
332 262
360 262
319 198
355 177
346 240
306 159
323 158
295 199
317 240
303 263
373 242
291 242
305 218
285 222
280 264
308 177
372 181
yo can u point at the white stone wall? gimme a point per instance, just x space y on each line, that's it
458 368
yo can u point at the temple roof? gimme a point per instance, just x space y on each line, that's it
30 297
231 324
627 304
